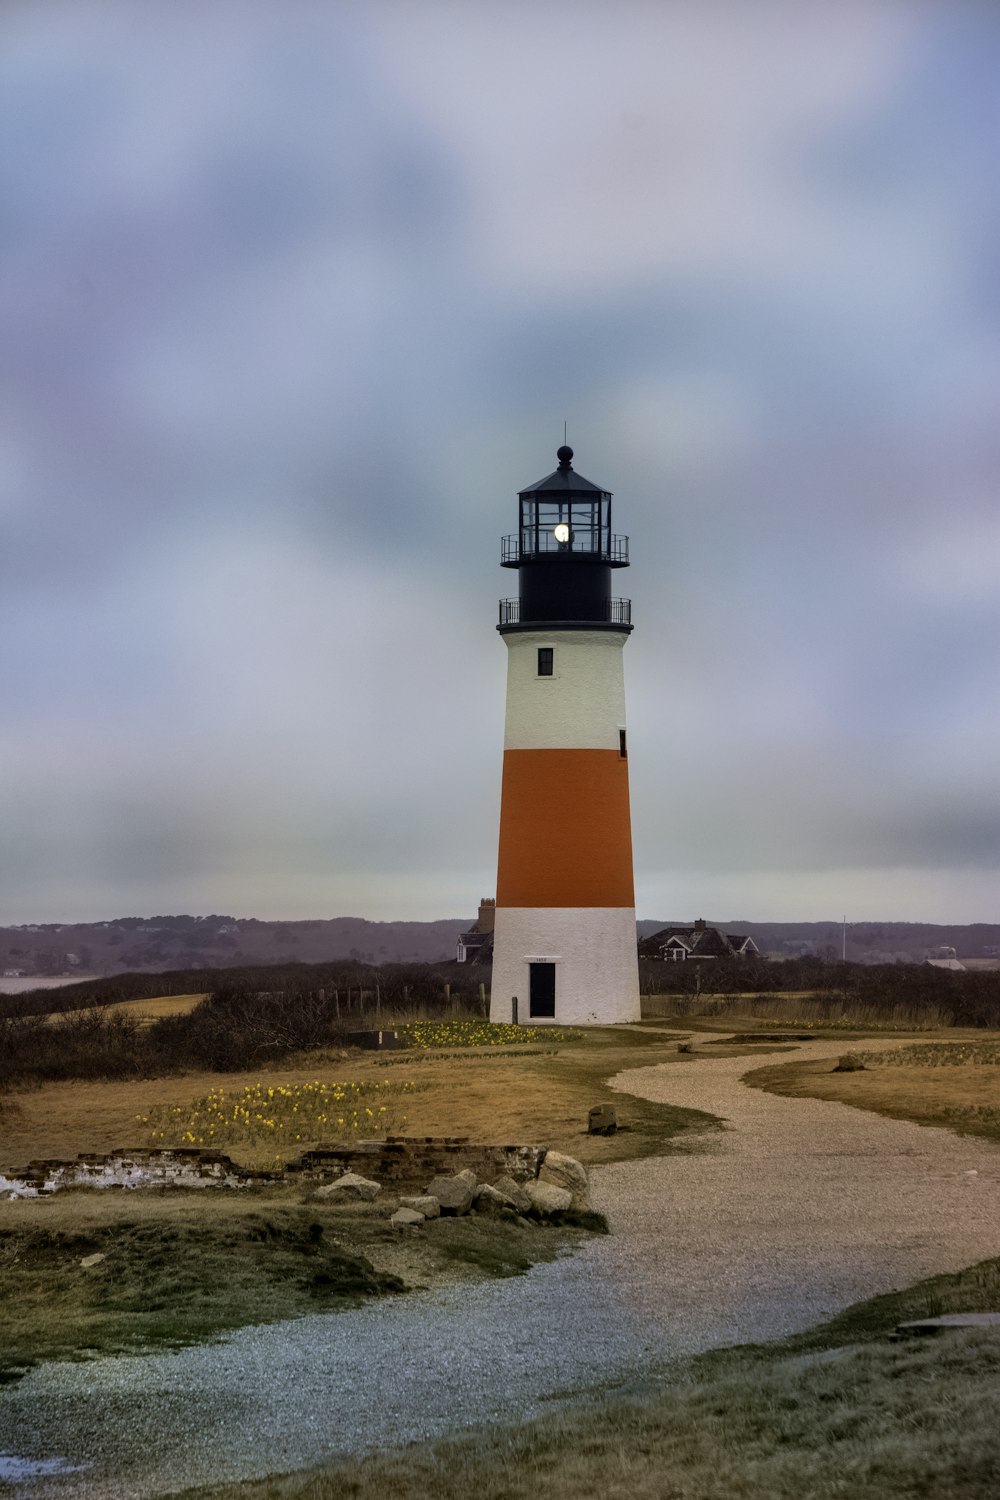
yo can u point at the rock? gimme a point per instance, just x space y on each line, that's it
453 1193
425 1204
489 1200
407 1218
601 1120
514 1193
547 1199
350 1189
566 1172
92 1260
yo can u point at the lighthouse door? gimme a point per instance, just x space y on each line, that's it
543 989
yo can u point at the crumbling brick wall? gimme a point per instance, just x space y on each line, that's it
396 1162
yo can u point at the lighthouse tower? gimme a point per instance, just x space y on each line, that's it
564 939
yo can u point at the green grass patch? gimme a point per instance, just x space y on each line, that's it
167 1278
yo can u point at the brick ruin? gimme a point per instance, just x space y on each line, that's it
398 1161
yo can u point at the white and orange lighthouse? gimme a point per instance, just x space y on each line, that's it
565 939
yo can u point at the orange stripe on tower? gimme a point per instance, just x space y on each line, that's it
565 832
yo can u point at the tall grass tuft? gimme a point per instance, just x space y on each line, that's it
802 1012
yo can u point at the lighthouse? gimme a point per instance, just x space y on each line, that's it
564 947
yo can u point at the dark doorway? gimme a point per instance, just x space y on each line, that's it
543 990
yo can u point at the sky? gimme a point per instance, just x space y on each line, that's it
295 297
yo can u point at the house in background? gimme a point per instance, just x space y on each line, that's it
678 944
476 945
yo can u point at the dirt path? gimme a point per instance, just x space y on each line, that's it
797 1209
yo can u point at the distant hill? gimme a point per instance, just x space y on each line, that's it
151 944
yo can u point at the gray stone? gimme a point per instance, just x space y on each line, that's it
407 1218
602 1120
425 1204
566 1172
453 1193
514 1193
489 1201
92 1260
546 1198
350 1188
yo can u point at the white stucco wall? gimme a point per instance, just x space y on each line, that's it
581 706
595 953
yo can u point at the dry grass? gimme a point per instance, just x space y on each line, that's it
158 1006
953 1083
541 1096
808 1010
154 1008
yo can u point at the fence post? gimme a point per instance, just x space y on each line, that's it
513 1010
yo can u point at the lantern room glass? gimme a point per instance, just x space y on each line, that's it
588 520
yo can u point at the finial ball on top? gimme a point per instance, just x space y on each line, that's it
564 454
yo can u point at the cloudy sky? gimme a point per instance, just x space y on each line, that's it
294 297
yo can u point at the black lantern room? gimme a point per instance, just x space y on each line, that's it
564 551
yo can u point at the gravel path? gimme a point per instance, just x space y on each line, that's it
799 1208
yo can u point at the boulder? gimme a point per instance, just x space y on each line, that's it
514 1193
453 1193
350 1188
407 1218
425 1204
602 1120
547 1199
489 1200
92 1260
566 1172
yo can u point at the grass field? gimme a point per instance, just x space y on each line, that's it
168 1271
151 1009
953 1081
532 1095
835 1414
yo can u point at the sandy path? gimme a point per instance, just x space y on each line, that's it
797 1209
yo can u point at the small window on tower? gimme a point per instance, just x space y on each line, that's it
622 746
545 656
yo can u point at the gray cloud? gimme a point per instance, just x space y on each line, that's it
291 307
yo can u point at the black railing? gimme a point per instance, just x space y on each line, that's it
583 543
614 612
